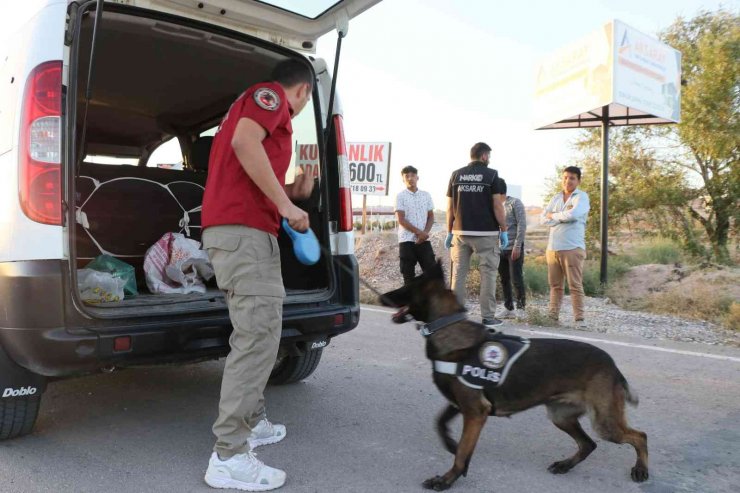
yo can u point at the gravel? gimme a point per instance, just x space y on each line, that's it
377 254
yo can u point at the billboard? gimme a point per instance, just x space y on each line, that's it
647 73
576 78
635 75
369 164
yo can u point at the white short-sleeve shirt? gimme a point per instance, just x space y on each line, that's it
416 207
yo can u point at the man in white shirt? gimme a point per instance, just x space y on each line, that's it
415 215
566 216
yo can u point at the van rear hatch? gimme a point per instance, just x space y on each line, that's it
157 77
290 23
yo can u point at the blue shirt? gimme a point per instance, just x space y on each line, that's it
568 223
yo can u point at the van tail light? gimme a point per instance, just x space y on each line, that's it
345 189
39 153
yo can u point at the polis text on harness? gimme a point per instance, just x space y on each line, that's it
489 364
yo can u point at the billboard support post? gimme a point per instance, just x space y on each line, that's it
364 212
604 225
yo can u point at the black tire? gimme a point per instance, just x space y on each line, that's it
18 415
293 369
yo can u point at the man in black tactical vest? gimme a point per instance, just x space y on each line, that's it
476 222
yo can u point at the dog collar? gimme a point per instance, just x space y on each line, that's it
430 328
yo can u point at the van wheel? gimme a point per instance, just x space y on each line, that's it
18 415
290 369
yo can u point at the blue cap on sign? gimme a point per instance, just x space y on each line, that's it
305 245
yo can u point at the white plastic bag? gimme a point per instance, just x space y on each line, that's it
176 264
99 287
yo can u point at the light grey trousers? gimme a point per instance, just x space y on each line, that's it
489 252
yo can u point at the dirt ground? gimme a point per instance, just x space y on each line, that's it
646 287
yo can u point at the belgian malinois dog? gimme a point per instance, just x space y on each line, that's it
570 378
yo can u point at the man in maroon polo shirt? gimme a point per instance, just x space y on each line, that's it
244 199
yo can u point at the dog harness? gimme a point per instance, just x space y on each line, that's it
489 364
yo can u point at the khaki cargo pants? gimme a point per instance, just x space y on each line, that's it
247 266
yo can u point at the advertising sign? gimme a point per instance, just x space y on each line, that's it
635 75
369 165
647 73
576 78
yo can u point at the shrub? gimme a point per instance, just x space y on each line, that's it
535 276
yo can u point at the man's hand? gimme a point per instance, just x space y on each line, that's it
448 241
421 237
504 239
548 215
297 218
301 188
516 252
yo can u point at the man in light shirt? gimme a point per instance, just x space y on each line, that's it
415 215
566 216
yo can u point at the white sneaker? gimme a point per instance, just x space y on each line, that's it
266 433
580 324
243 472
505 313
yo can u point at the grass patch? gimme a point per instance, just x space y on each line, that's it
657 251
367 297
536 316
701 303
732 319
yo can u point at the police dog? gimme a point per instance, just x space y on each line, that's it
570 378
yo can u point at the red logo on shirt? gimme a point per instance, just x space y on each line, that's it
267 99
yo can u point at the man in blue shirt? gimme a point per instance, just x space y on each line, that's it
566 216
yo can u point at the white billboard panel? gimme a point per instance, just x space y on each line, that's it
575 78
636 76
647 73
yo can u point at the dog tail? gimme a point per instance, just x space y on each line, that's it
629 394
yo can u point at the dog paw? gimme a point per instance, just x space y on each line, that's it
560 467
437 483
639 474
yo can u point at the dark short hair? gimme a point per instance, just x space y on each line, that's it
292 72
477 151
503 185
573 169
409 169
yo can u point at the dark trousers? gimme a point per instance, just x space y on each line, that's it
512 272
410 253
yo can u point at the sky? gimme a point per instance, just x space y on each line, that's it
433 77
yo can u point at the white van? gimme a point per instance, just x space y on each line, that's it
107 111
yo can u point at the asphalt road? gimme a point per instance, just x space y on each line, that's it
363 422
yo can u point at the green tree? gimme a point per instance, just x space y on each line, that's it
707 141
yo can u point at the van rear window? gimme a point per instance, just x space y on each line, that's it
114 160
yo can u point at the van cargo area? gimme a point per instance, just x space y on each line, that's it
153 80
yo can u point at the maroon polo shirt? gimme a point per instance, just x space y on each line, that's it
231 197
